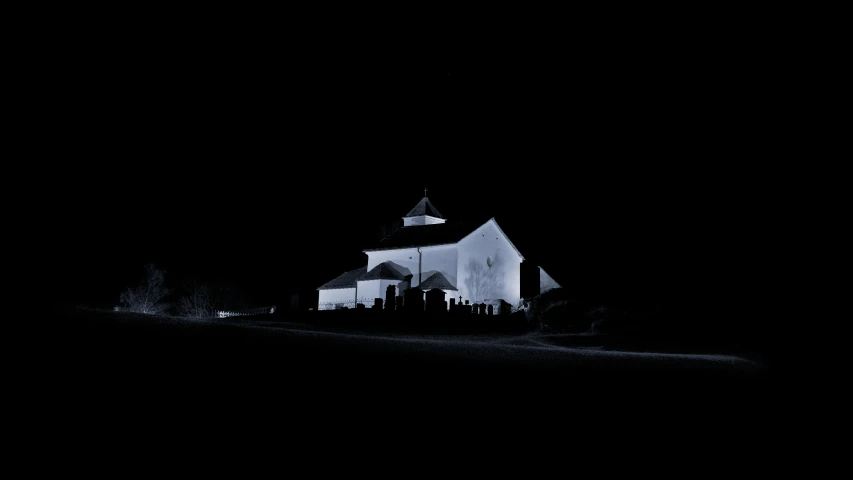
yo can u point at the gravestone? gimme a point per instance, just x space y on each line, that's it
360 306
414 300
377 304
491 310
475 308
435 301
390 295
452 305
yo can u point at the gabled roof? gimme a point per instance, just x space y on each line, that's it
431 235
424 207
436 280
382 272
345 280
424 236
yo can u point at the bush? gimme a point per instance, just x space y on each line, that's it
555 311
148 296
198 303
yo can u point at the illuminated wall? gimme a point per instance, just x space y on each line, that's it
489 267
441 258
422 220
407 258
383 286
339 295
373 289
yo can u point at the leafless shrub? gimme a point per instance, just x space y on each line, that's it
198 303
148 296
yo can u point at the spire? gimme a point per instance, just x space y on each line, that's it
424 213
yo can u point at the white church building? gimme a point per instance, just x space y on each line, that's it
476 262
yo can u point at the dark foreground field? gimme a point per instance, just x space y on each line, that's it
105 365
117 347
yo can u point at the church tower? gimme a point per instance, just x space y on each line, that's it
424 213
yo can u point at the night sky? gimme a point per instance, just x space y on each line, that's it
273 239
274 169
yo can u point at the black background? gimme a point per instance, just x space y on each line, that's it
271 156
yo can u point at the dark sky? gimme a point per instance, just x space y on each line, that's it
275 167
271 237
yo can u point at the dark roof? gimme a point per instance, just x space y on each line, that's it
382 272
424 207
438 234
425 235
346 280
436 280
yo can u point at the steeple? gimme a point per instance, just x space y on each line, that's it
424 213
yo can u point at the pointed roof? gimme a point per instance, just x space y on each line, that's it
424 207
382 272
345 280
436 280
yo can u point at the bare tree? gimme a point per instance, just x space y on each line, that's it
198 303
386 230
147 297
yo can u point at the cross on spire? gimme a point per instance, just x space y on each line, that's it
425 190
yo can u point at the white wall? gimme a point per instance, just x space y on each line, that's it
404 257
442 259
435 259
383 286
477 280
368 289
341 295
373 289
422 220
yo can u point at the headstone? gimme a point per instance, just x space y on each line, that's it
475 308
452 305
390 295
435 301
360 306
377 304
505 308
483 309
414 300
491 310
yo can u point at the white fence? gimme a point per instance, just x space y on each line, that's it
368 302
247 312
